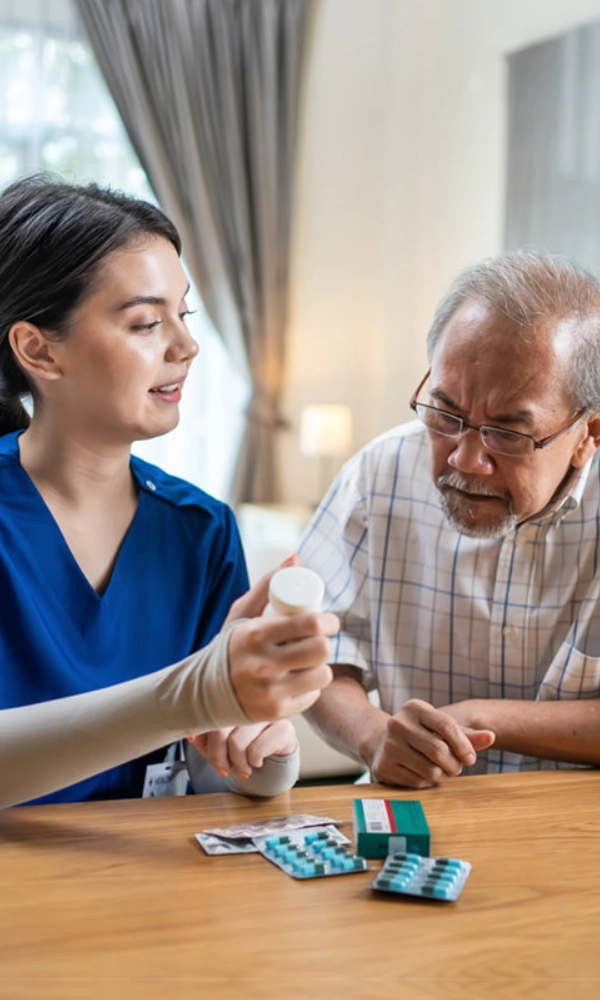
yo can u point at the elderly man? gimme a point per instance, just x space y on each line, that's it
461 551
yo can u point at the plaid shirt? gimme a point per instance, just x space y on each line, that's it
429 613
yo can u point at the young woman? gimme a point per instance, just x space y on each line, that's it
109 568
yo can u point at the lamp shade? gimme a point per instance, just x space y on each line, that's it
325 429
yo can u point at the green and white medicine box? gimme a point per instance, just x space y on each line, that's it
382 826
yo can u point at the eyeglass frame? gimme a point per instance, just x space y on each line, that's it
464 425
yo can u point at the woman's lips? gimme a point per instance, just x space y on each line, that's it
170 392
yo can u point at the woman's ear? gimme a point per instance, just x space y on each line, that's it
590 443
33 351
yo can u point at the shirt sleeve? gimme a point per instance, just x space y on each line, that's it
51 745
228 577
278 774
336 545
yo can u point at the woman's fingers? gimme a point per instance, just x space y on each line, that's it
214 747
244 748
277 664
253 602
249 745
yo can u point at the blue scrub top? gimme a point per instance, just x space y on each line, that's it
180 567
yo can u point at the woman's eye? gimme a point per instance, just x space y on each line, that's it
184 315
147 326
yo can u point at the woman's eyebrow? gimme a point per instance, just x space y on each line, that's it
143 300
147 300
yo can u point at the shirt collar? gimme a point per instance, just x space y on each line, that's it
571 501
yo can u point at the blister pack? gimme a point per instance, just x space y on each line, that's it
240 839
313 853
432 878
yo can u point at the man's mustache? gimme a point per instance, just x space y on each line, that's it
455 481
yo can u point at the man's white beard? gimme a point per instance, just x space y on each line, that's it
496 528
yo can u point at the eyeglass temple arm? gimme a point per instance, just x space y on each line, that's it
415 395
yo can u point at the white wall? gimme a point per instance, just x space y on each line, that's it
400 185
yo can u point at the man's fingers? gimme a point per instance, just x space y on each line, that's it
390 771
427 758
437 754
480 739
448 732
426 742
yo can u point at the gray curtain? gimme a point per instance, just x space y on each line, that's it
208 91
553 175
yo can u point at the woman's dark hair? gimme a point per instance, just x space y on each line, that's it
53 240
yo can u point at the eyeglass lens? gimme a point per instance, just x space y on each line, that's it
449 425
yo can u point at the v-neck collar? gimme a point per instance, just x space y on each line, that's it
49 524
36 535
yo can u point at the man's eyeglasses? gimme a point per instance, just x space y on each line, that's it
511 443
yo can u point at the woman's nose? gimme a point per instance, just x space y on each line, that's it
182 345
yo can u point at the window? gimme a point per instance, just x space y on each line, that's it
57 115
553 196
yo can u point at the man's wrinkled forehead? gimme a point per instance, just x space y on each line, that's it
484 355
479 319
476 322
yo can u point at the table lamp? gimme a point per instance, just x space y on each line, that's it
326 434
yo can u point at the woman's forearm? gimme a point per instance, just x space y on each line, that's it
54 744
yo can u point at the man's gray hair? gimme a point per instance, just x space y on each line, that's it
529 287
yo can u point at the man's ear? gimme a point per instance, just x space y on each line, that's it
590 443
33 351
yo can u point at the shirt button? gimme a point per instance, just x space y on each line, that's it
509 632
150 485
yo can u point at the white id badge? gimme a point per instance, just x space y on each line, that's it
167 778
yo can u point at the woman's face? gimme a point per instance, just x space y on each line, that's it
125 359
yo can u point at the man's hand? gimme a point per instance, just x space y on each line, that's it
422 745
244 748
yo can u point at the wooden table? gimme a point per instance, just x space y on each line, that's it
118 900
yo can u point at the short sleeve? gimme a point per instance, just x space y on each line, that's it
335 545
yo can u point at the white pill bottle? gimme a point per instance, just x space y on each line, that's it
294 590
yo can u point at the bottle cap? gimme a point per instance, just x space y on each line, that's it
295 590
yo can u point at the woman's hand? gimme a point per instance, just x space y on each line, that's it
278 664
253 602
244 748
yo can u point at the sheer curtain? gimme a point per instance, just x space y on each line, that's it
553 176
57 115
208 91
